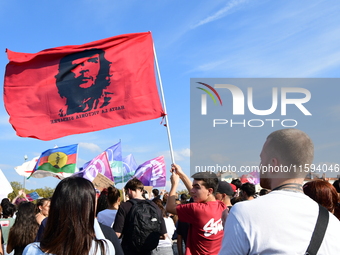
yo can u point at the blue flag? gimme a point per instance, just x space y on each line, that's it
129 168
32 196
114 155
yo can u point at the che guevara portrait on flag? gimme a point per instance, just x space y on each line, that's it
82 79
77 89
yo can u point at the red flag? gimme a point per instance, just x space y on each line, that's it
82 88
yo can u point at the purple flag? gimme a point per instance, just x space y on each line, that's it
129 164
152 172
99 164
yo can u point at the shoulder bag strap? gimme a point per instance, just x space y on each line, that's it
319 231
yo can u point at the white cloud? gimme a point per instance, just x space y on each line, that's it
81 162
300 43
220 13
4 120
182 154
326 146
5 166
90 146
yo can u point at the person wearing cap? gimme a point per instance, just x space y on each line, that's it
224 193
204 214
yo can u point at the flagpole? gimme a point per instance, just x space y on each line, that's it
77 168
25 157
122 167
164 106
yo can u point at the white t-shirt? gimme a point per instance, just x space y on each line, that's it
281 222
107 217
170 229
34 249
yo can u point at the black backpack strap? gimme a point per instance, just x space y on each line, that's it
319 231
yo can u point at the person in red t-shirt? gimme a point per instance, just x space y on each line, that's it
204 215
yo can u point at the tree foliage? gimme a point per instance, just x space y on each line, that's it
46 192
184 191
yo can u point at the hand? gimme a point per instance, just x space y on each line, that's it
177 169
174 178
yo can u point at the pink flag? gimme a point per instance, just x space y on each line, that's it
99 164
152 172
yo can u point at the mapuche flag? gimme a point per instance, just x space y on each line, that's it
58 162
82 88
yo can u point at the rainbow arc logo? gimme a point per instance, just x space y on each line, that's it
204 97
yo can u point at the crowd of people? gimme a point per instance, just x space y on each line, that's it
287 216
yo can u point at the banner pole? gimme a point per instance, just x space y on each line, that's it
164 106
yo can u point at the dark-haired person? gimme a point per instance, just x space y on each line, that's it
23 230
283 221
107 216
238 184
43 207
204 215
134 190
155 193
82 80
264 192
248 191
102 202
70 226
7 221
184 198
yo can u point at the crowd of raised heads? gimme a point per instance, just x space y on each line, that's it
211 216
21 219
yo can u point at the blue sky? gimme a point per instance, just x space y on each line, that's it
193 39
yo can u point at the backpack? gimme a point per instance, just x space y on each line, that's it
143 226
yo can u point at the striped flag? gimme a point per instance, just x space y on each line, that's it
57 162
32 196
